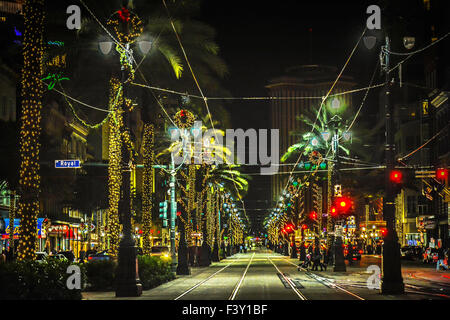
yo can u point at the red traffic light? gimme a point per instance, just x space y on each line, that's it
313 215
441 174
333 211
304 226
396 176
341 205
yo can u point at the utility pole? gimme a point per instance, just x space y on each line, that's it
392 281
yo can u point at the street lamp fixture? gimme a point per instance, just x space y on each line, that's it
105 47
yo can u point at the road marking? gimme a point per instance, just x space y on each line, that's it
233 294
203 281
300 295
325 280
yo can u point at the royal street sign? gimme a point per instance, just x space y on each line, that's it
62 164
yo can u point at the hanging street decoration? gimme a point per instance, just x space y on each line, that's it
184 119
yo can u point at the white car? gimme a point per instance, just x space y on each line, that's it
59 256
41 256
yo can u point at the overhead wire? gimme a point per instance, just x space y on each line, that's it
200 90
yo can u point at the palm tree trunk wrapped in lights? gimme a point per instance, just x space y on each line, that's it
147 185
30 131
12 216
216 229
114 169
329 217
191 204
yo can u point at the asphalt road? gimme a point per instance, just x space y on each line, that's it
264 275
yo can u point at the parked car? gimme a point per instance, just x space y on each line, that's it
99 256
410 252
58 256
41 256
69 255
356 252
160 251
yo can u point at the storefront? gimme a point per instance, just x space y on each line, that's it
40 233
63 236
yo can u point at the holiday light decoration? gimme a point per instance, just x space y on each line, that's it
191 202
58 61
147 185
135 26
55 78
114 168
12 216
32 90
184 119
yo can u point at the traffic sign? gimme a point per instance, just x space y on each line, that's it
64 164
425 174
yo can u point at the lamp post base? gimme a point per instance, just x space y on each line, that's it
392 287
392 281
128 283
339 262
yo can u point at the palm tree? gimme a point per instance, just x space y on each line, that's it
305 145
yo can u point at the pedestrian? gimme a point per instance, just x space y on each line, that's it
440 261
326 257
350 254
302 252
3 256
240 249
317 256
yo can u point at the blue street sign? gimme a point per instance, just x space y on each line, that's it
67 164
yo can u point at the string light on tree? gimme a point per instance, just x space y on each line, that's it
32 90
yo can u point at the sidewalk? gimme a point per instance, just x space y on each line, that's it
164 291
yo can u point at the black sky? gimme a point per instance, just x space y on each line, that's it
260 39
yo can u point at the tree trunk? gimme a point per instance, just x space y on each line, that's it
32 90
147 185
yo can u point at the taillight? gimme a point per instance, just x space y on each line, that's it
360 251
89 258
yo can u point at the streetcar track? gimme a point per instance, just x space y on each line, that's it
289 281
205 280
326 282
238 285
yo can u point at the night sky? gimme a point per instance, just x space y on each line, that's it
260 39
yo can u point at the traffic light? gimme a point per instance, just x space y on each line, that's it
333 211
396 176
313 215
342 205
289 228
163 212
441 174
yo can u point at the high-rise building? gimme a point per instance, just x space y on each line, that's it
299 92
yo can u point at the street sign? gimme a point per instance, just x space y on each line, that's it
67 164
425 174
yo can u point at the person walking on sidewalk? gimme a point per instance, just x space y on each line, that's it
316 259
440 261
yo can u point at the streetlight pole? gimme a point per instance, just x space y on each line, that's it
339 262
392 281
128 283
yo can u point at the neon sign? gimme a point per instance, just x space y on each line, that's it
54 77
56 43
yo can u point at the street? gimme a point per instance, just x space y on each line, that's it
264 275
